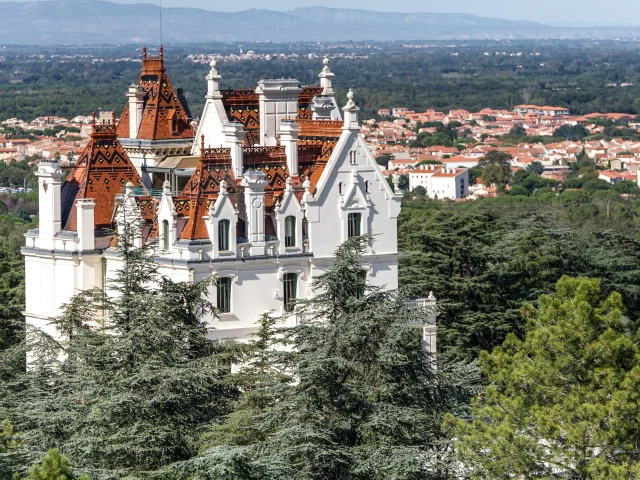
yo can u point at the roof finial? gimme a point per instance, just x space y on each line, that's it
161 52
202 146
325 78
350 102
93 120
144 53
113 117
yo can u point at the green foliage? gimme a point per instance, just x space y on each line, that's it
484 259
496 167
568 132
17 174
12 229
573 182
518 130
420 190
563 402
627 187
55 466
518 190
535 167
9 440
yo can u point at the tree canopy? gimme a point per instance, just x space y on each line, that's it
565 400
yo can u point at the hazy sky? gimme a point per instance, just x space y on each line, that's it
557 12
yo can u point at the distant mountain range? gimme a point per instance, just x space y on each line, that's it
97 22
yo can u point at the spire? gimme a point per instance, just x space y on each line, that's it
325 78
351 114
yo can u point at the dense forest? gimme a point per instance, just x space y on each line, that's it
71 81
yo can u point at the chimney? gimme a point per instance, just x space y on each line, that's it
289 132
136 96
278 101
234 138
86 223
49 210
254 182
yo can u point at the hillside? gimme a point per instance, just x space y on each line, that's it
96 22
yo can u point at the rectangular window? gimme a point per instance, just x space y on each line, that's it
223 235
223 285
462 187
290 231
290 282
165 235
354 220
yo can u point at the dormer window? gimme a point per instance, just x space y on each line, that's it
290 231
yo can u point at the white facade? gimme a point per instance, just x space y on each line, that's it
441 182
292 242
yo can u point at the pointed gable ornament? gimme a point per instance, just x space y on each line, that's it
351 114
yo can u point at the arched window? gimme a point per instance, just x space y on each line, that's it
354 221
223 286
165 235
290 231
340 188
366 186
290 284
223 235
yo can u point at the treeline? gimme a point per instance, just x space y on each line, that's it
570 74
18 173
484 259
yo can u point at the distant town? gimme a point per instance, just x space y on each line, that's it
394 137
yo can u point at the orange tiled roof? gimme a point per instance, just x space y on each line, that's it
102 171
165 117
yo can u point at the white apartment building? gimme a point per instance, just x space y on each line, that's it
441 182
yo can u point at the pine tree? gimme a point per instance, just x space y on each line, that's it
366 402
565 401
54 467
133 382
